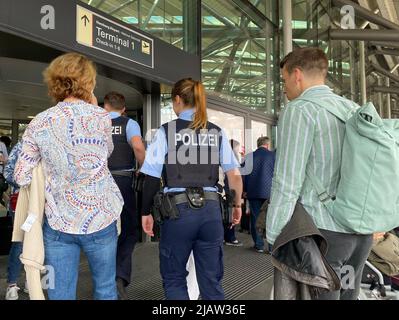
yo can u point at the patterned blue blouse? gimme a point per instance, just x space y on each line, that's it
10 166
73 141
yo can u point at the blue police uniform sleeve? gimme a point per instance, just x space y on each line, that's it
132 130
155 155
228 161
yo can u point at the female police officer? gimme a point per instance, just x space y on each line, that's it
187 153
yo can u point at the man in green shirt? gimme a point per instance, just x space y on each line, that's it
310 138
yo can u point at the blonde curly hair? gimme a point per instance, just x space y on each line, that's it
70 75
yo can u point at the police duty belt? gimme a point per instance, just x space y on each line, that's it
183 197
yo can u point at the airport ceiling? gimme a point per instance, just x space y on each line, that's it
234 47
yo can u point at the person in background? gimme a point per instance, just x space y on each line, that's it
3 161
7 141
229 229
3 155
128 147
14 264
73 141
257 185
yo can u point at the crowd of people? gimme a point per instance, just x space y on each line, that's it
91 156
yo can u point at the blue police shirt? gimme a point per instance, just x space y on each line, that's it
157 150
132 128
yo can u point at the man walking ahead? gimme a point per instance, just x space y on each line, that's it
309 137
257 185
128 147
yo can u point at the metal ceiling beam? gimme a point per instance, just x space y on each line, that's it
367 14
394 90
217 16
385 44
385 72
228 66
250 11
390 52
122 6
364 35
217 44
100 4
233 76
149 15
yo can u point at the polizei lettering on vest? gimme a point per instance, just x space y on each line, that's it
201 139
117 130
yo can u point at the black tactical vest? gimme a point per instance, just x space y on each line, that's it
122 158
193 156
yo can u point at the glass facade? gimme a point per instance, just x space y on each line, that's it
233 125
161 18
238 40
311 21
239 55
259 129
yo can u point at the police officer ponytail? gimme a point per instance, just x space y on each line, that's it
193 94
201 117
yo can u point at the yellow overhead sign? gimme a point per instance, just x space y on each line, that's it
102 33
84 26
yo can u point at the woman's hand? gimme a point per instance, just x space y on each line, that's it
147 223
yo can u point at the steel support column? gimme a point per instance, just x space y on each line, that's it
287 26
192 26
362 73
353 78
388 100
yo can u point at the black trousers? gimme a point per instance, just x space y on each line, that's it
128 237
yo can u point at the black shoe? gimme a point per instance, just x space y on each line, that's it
120 286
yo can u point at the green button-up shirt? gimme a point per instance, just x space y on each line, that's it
310 137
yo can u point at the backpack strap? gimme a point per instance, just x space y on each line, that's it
322 193
343 115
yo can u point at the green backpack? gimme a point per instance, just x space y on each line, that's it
367 199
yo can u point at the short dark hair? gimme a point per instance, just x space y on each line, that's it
312 60
115 100
6 140
262 141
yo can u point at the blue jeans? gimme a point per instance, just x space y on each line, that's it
200 231
14 264
62 252
255 205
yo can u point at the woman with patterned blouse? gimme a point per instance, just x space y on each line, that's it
73 141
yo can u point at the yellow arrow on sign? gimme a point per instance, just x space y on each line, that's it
84 26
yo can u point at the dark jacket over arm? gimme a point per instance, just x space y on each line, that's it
299 257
